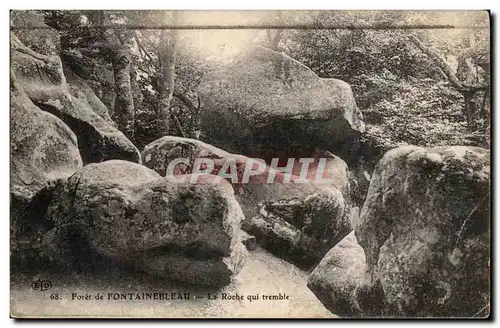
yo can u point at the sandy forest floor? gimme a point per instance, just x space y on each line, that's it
263 274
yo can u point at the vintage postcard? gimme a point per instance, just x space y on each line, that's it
250 164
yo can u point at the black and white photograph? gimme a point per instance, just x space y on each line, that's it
258 164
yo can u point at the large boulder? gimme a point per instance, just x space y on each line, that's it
81 91
127 213
33 32
31 29
95 71
335 278
266 101
299 224
425 230
42 149
42 78
298 221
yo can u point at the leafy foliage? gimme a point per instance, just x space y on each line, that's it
404 96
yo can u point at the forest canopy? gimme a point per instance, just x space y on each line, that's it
418 77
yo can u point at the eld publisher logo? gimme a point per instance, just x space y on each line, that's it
41 285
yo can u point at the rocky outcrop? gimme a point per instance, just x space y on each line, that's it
267 101
336 277
249 241
299 224
81 91
296 221
42 149
128 213
42 78
161 152
425 232
31 29
95 72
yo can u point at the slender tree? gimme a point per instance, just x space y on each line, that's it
167 55
470 88
119 44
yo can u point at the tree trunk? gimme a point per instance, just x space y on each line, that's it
137 95
124 103
167 58
470 109
120 53
484 107
470 91
447 70
194 128
273 43
475 109
195 124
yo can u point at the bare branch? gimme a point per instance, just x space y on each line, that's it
143 70
178 124
439 62
269 36
119 37
189 104
273 42
447 70
141 47
277 39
